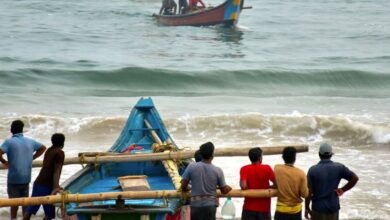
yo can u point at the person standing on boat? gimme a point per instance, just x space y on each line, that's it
47 182
168 7
183 6
256 176
21 151
193 4
292 187
205 179
323 181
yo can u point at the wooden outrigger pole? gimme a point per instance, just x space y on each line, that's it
107 157
82 198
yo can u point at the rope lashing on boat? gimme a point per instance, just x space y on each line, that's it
64 198
163 147
164 197
77 198
82 160
96 162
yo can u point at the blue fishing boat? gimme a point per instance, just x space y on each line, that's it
144 132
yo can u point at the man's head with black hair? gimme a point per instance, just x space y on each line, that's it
58 140
255 154
206 150
17 127
289 155
197 156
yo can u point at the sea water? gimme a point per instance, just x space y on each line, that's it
291 71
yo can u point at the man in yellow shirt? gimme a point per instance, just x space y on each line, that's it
292 187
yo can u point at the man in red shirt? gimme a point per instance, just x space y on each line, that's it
193 4
256 176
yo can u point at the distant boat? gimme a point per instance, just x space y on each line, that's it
226 13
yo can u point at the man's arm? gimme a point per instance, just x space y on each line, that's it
273 179
184 185
39 152
57 173
174 7
225 189
161 9
2 160
349 185
307 205
163 6
201 2
243 184
274 184
56 178
304 190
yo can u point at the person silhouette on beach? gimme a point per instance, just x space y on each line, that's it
47 182
21 151
292 187
323 181
205 179
256 176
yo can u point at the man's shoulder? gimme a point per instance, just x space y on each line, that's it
192 165
246 167
313 168
10 141
53 151
338 164
299 171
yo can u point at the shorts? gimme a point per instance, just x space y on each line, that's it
324 216
39 190
203 212
287 216
252 215
18 190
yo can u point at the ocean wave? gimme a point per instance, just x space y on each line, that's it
240 128
133 81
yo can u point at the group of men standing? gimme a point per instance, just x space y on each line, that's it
320 187
21 151
169 7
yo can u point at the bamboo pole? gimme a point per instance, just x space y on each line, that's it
178 155
81 198
169 165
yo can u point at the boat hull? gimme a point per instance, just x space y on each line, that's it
142 128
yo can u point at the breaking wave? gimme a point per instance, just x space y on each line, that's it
249 128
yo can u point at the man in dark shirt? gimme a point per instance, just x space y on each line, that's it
47 182
168 7
183 6
323 181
